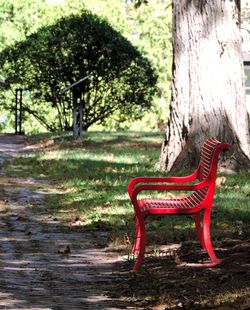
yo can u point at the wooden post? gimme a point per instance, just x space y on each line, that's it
16 110
75 127
77 93
80 114
77 113
20 110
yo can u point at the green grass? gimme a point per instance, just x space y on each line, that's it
92 176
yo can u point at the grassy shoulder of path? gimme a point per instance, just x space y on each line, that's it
90 179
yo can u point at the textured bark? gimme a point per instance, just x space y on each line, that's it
208 92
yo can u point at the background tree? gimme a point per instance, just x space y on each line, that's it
147 26
76 46
19 19
208 93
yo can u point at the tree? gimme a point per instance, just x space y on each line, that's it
148 27
151 32
208 93
19 19
75 46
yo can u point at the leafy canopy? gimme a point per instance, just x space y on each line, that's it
75 46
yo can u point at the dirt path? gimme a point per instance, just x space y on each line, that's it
44 265
10 145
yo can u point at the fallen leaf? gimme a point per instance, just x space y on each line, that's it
3 202
222 225
107 203
67 210
220 181
46 143
181 196
169 196
109 169
172 196
239 222
127 239
22 217
98 182
177 260
71 190
109 157
77 221
64 250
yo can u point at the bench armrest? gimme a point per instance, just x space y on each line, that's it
144 180
165 187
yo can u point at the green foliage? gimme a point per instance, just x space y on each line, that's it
59 55
137 3
149 28
19 19
152 24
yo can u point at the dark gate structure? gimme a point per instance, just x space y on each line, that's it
19 111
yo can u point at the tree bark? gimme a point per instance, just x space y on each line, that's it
208 91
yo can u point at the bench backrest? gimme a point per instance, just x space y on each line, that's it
209 158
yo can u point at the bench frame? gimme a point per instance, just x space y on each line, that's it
200 201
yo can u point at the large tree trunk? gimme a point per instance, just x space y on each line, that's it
208 92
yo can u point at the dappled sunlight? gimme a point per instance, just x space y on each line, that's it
91 177
84 154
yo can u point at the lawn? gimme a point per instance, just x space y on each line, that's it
87 186
90 179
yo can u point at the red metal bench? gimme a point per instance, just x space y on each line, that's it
199 201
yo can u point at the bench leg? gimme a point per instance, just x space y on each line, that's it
207 237
136 246
199 229
142 243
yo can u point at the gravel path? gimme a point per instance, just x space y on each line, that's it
44 265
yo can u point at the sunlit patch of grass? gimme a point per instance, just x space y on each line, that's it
239 298
94 172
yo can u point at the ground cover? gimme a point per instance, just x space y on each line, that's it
89 180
